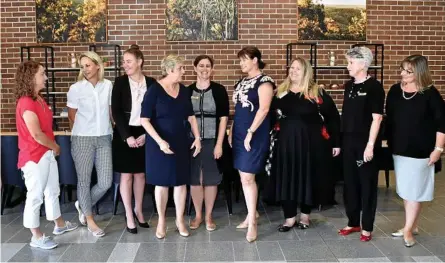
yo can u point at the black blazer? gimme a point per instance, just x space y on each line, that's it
121 104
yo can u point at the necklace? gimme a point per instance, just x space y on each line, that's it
408 98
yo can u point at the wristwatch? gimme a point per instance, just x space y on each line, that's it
249 130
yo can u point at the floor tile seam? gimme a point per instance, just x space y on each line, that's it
330 250
13 220
282 252
185 252
257 251
60 257
113 250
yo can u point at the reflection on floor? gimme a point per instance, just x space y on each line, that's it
318 243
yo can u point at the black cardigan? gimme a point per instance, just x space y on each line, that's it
221 98
121 104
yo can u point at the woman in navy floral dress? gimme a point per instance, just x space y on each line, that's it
249 135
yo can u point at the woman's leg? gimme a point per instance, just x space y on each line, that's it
250 194
138 189
351 188
161 197
125 188
197 192
368 180
210 193
179 196
83 150
412 211
104 168
290 212
305 212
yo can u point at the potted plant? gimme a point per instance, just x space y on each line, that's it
106 62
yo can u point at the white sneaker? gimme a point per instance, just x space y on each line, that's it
82 218
43 242
68 227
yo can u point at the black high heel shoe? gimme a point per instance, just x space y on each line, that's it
131 230
143 225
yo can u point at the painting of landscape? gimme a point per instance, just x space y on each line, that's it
68 21
201 20
332 20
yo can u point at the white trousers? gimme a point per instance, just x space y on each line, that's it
41 179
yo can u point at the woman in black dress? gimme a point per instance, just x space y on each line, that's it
308 139
361 117
211 106
129 135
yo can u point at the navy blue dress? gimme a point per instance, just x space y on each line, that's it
169 117
246 101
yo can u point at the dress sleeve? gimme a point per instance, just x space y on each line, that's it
25 104
267 79
117 110
437 106
389 116
189 107
72 98
377 98
222 101
148 107
332 118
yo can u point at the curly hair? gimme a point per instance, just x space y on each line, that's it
24 79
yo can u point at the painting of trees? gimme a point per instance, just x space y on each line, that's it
62 21
202 20
337 21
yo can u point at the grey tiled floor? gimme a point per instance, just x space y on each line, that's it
319 243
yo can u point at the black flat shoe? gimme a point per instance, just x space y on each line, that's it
143 225
132 230
301 225
283 228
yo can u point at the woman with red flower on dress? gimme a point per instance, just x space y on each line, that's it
308 137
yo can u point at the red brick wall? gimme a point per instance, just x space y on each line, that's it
404 26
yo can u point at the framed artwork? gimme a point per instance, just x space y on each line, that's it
332 20
201 20
71 21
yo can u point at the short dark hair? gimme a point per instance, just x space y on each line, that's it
201 57
136 52
252 52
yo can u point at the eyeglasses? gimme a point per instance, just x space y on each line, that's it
406 71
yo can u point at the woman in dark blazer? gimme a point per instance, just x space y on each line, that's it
129 135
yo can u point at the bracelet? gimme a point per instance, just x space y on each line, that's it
370 144
249 130
440 149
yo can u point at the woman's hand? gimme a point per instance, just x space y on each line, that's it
140 140
197 145
247 141
56 150
434 157
335 152
217 152
132 142
368 154
229 138
165 147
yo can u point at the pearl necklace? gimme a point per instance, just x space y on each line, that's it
406 98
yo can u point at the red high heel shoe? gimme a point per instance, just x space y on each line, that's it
345 232
364 238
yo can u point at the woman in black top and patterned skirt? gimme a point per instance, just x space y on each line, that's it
211 106
361 117
308 138
129 135
415 128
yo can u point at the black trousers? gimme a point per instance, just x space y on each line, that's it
360 187
290 208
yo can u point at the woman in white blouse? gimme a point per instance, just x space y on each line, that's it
129 135
88 102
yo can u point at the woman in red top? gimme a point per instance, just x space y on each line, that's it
37 154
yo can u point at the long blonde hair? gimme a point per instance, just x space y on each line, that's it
96 60
310 88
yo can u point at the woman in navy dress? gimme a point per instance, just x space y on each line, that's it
167 116
249 134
